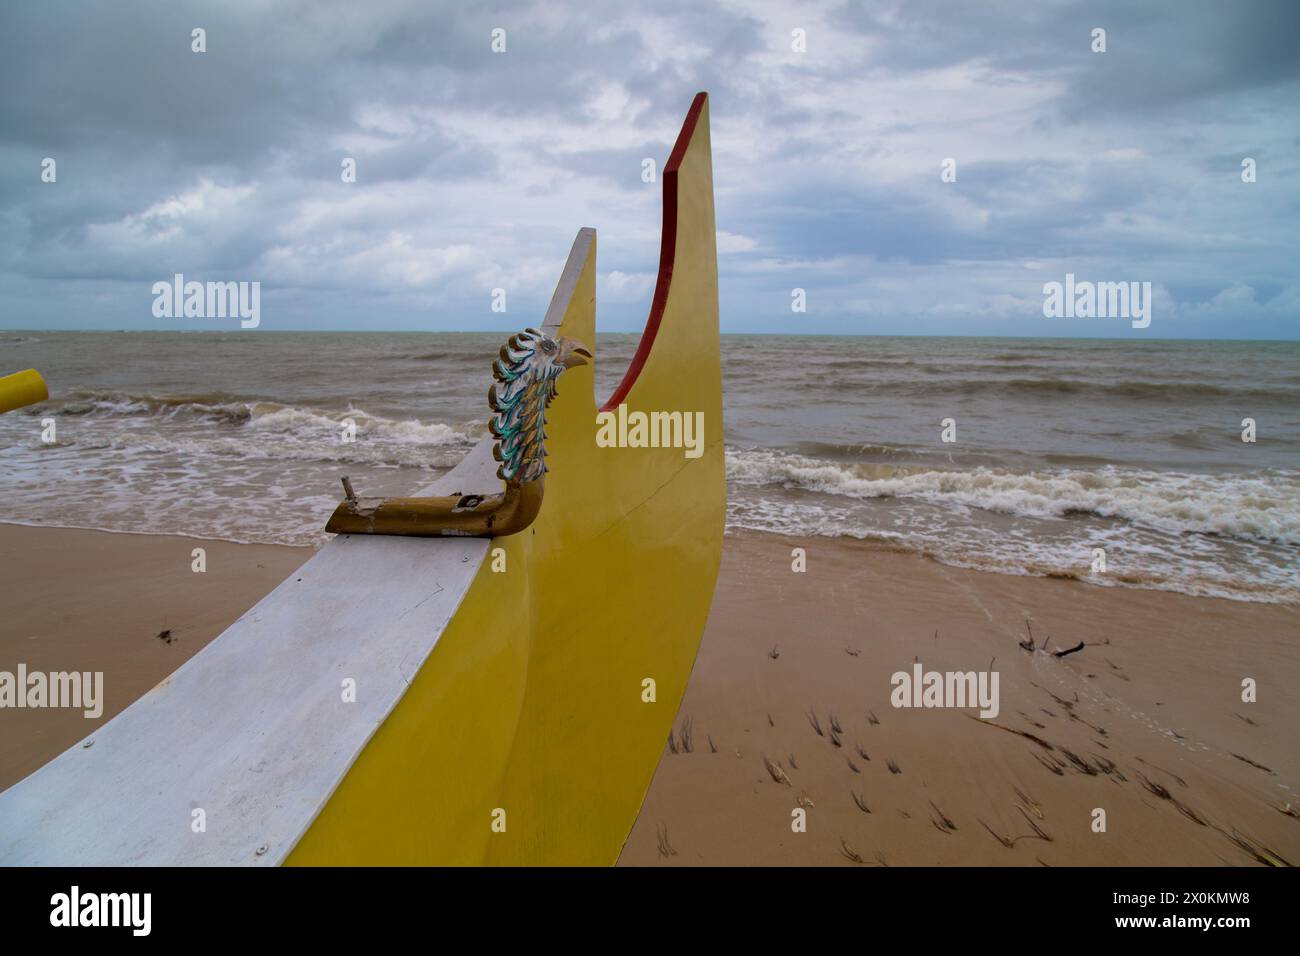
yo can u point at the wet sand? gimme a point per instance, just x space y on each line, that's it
1145 723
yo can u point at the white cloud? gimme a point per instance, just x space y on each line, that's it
624 287
729 242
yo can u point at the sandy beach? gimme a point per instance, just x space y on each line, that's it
128 605
1145 723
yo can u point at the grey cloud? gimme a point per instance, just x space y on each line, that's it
1125 162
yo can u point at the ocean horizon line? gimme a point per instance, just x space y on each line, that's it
508 330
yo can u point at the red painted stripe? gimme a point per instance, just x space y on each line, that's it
667 255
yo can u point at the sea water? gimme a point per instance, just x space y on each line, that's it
1062 447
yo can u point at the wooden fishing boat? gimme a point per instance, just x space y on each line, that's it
451 699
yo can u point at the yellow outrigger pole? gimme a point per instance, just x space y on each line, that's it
21 389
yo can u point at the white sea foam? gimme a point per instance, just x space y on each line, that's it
310 424
1265 508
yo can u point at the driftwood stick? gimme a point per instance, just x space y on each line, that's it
1029 644
1070 650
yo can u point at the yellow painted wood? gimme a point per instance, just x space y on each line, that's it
22 388
532 699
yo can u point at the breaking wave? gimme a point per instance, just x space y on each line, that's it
1262 508
260 417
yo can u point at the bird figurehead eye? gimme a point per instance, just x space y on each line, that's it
549 346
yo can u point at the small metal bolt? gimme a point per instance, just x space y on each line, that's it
88 744
261 850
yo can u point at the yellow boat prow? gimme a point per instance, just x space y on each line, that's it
532 731
449 700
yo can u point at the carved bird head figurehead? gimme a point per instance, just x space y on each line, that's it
525 374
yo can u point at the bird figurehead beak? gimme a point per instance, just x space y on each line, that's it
572 353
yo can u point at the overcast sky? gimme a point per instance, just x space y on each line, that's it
475 168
